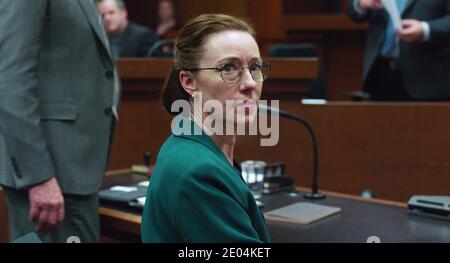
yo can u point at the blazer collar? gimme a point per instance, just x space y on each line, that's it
196 134
93 18
208 142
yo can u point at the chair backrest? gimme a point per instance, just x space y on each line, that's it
305 50
156 50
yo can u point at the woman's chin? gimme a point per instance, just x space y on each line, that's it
246 119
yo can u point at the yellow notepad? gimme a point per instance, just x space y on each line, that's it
140 169
302 213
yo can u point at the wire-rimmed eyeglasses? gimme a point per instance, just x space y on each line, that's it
231 72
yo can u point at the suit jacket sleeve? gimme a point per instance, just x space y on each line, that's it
206 212
355 16
440 27
25 142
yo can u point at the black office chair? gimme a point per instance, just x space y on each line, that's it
157 49
305 50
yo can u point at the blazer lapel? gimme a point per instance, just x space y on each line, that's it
409 5
92 17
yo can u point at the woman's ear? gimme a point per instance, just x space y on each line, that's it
187 82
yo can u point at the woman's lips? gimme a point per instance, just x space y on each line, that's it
245 104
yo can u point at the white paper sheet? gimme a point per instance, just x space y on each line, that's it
141 201
391 8
125 189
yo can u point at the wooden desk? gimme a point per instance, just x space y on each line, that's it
120 225
360 218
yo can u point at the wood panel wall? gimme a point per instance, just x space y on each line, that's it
395 150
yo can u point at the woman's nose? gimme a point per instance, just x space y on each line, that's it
247 81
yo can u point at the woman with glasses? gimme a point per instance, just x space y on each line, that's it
195 192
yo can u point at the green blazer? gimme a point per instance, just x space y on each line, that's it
196 195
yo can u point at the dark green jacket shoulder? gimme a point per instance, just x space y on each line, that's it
195 195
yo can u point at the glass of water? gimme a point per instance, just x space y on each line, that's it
253 174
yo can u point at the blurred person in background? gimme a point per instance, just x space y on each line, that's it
167 22
410 63
127 39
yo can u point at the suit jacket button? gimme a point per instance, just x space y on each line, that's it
108 111
109 74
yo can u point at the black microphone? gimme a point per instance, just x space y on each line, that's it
147 158
314 194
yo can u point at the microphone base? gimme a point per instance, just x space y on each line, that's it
314 196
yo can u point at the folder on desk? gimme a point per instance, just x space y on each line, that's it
302 213
130 196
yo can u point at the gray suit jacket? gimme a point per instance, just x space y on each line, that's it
425 66
56 88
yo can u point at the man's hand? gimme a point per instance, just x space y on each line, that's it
46 205
411 31
370 4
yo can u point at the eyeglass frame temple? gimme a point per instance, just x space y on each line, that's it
269 66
